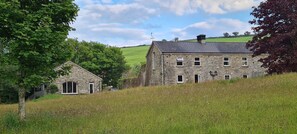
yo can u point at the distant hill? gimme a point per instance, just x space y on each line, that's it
136 55
254 106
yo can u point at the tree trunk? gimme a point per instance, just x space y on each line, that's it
22 108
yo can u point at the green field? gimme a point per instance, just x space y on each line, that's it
260 105
136 55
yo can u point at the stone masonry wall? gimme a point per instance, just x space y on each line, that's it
82 78
153 75
209 62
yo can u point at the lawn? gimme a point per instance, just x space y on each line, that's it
260 105
136 55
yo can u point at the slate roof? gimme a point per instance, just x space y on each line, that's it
195 47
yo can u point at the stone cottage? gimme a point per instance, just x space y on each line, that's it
78 81
176 62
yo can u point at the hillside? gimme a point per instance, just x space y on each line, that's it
261 105
136 55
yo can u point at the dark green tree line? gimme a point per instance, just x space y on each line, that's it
105 61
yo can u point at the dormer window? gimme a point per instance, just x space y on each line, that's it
179 61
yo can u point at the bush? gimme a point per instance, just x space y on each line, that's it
52 89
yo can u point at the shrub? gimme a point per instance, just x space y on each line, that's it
52 89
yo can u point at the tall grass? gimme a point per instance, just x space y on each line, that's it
261 105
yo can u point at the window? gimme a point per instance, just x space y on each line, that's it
69 88
226 61
227 77
179 61
245 76
180 79
153 60
244 61
197 62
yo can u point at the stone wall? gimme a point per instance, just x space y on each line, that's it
80 76
209 62
135 82
153 74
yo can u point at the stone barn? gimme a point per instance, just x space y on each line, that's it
78 81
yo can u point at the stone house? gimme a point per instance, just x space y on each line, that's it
78 81
170 63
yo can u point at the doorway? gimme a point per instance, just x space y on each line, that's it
91 88
196 78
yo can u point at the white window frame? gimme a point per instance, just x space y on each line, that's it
227 61
244 62
91 83
197 61
73 93
228 76
180 60
179 82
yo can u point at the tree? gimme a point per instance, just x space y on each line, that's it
247 33
235 34
176 39
34 31
226 34
276 27
104 61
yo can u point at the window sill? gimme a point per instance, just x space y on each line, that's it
227 66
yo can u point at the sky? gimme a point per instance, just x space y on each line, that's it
137 22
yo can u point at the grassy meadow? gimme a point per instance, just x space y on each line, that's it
260 105
136 55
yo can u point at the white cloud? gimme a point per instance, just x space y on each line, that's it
120 13
181 7
111 23
214 27
127 23
106 1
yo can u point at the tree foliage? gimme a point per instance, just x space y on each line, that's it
276 35
247 33
33 31
226 34
235 34
105 61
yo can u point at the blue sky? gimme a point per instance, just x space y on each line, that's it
131 22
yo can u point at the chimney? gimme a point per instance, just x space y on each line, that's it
201 38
